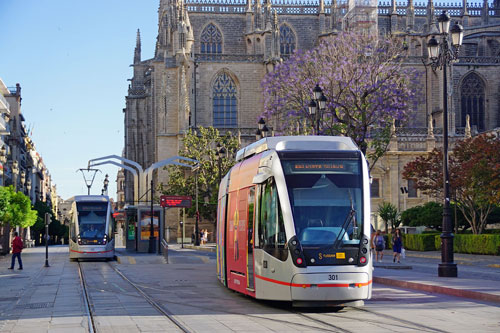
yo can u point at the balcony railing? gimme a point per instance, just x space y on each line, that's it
4 105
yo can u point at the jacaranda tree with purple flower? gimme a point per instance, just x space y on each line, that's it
364 80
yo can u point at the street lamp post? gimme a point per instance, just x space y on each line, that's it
220 153
182 234
3 160
28 187
15 172
441 56
197 219
317 106
151 229
105 187
23 180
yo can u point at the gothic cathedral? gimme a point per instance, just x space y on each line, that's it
211 56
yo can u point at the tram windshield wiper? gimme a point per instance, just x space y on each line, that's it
351 217
347 222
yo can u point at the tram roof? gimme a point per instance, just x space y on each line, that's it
93 198
297 143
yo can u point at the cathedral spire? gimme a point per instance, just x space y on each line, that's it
430 15
137 52
410 16
333 15
484 13
268 14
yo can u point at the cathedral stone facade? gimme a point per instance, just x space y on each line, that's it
211 56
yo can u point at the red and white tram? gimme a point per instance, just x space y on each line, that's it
293 222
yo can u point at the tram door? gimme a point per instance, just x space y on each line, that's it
250 241
237 241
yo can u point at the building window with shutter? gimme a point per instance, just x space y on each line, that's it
412 188
375 188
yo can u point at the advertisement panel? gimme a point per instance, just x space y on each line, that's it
145 224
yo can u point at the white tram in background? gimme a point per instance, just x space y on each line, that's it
293 222
91 228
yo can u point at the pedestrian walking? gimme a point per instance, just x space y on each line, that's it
397 245
17 248
379 244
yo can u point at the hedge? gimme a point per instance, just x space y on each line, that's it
462 243
474 244
419 242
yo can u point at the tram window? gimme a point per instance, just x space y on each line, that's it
271 231
322 195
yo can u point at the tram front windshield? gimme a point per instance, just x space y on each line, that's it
326 197
92 220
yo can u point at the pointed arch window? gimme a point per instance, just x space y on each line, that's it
224 101
472 94
211 40
287 40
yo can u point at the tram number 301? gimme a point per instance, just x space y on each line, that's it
333 277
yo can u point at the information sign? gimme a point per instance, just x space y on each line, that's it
182 201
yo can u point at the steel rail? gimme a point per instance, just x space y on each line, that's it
157 306
86 299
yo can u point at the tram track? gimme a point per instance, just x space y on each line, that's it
90 312
86 300
383 319
321 321
321 326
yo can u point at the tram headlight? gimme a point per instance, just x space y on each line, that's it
79 240
105 239
363 251
298 257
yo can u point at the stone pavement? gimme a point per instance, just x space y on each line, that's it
39 298
478 275
49 299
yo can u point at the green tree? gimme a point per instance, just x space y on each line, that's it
389 214
15 208
430 215
5 194
202 146
474 166
55 227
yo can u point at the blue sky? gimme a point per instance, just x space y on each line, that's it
72 60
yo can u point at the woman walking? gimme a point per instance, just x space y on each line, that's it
397 245
379 245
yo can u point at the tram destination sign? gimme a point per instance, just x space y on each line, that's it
320 166
338 166
180 201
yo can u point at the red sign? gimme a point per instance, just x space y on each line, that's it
175 201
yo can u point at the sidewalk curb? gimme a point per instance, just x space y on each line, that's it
438 289
200 248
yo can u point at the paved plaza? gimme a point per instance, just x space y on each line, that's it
406 297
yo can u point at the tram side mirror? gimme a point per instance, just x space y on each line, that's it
261 177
